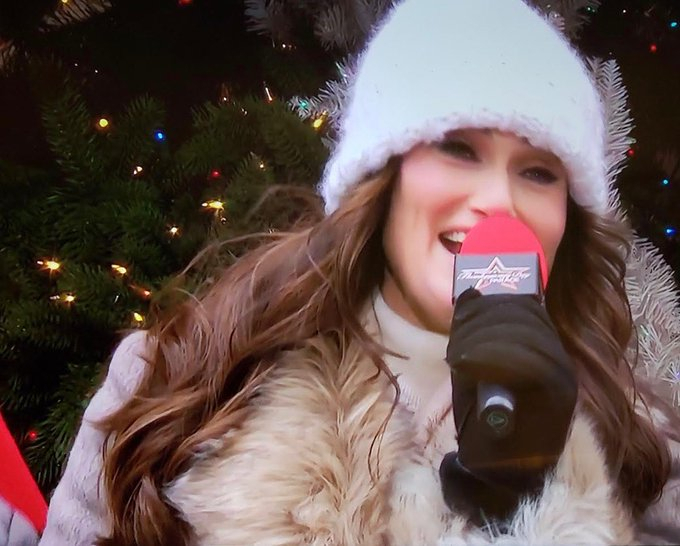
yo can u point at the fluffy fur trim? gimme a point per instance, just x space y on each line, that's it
298 472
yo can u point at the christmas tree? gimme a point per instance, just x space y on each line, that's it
90 240
124 192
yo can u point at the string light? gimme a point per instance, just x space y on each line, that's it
64 1
215 205
653 48
665 181
119 269
103 124
674 24
66 298
159 135
138 317
137 170
174 231
261 165
143 292
267 92
670 231
32 435
318 122
630 152
215 174
49 265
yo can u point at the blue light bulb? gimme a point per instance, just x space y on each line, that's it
665 181
159 136
674 24
670 231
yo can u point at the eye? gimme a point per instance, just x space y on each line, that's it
540 175
458 148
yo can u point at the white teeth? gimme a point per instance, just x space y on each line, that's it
455 236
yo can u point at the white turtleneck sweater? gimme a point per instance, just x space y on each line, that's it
423 375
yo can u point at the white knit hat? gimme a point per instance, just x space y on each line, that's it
438 65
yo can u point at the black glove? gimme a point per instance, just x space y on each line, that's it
506 340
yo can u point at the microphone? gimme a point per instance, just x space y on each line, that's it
500 255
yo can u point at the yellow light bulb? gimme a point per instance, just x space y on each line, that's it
174 230
64 1
261 165
69 298
146 293
214 204
103 123
137 170
138 317
119 269
318 122
50 265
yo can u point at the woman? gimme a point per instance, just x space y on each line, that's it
304 398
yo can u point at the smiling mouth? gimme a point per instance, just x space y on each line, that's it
452 246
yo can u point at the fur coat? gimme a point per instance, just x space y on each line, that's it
298 473
312 463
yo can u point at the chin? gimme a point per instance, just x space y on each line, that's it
439 318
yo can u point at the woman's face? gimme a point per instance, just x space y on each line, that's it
442 191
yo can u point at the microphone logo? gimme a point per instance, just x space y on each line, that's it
496 273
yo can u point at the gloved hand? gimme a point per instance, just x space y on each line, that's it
506 340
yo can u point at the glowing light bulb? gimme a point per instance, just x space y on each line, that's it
261 165
653 48
267 92
137 170
174 230
103 123
214 204
214 174
318 122
665 181
159 135
674 24
119 269
138 317
69 298
50 265
670 231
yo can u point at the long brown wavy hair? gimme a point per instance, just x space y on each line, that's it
210 352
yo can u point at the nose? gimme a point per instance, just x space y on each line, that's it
493 195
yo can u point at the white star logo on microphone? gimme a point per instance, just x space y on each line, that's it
496 273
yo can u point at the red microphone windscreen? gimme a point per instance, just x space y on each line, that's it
504 235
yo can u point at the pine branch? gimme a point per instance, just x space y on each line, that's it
568 15
75 11
268 18
331 98
70 131
343 25
619 123
131 141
